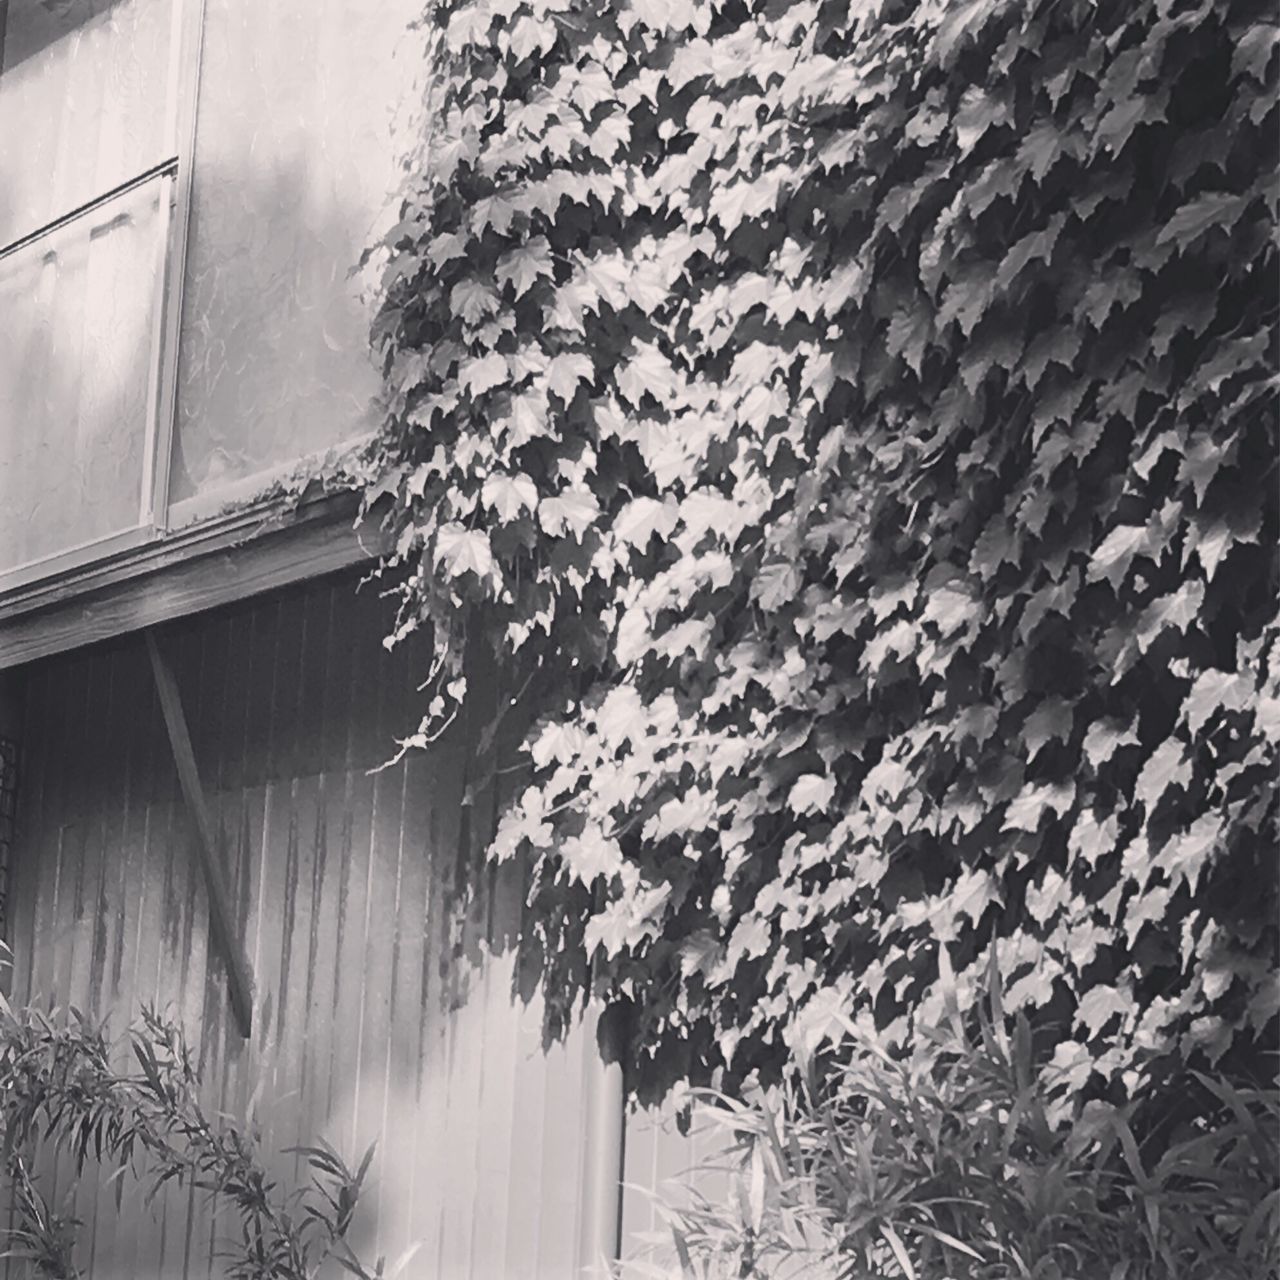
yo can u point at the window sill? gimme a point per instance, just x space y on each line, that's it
201 566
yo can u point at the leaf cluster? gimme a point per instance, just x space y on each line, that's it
867 1165
61 1090
855 425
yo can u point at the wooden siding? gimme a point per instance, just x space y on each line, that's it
382 1005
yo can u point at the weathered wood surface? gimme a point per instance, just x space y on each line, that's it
230 560
207 851
382 1003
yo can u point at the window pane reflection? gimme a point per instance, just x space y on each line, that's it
76 322
83 103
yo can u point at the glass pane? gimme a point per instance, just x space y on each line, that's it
83 103
294 164
76 322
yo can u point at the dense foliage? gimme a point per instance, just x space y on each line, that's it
62 1090
858 422
864 1168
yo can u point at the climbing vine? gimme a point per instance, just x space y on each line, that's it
856 425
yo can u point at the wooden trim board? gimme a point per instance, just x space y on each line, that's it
214 564
222 922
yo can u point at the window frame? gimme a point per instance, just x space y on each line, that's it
173 173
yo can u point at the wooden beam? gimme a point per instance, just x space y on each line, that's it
223 927
185 573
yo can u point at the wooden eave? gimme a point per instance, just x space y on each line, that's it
216 562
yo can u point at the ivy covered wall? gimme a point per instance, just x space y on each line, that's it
859 422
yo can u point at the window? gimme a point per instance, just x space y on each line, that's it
94 98
150 379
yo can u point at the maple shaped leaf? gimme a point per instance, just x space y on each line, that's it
479 376
1106 293
1049 722
612 132
1193 219
529 35
591 854
775 585
509 495
472 300
460 550
811 793
1184 856
1178 610
445 247
1041 149
1166 767
522 266
1117 126
566 371
752 936
528 417
607 278
574 510
1104 738
647 372
909 332
978 112
1254 50
642 517
965 301
494 211
1025 812
961 21
1112 558
1216 691
1037 245
1100 1004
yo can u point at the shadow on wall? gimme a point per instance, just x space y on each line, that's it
379 936
273 358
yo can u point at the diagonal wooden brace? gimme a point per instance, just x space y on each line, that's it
222 922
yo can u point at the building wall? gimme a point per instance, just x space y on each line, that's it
382 1005
185 341
301 123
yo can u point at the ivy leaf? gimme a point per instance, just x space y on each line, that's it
647 372
493 212
1102 1003
509 495
811 793
1254 51
642 517
1166 767
574 510
1193 219
978 112
1104 738
473 300
1215 691
775 585
525 264
1184 856
1117 126
592 854
527 417
1026 812
1112 558
1179 610
479 376
460 550
1049 722
566 371
613 132
909 332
